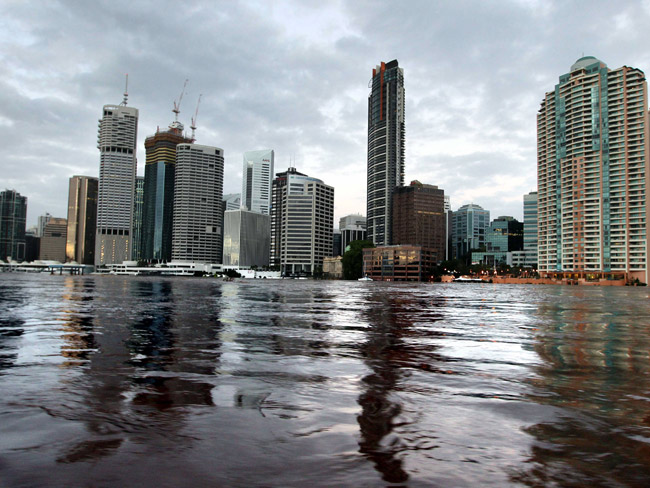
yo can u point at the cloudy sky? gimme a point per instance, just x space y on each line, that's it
293 76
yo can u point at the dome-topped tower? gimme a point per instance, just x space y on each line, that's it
585 61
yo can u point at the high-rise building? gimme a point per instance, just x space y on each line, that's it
504 236
419 217
336 242
42 222
197 230
530 229
449 223
138 206
13 216
353 228
592 167
257 180
82 219
385 149
246 238
470 223
231 201
302 217
53 242
159 177
118 135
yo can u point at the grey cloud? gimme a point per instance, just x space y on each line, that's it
475 75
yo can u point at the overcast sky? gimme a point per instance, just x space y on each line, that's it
293 77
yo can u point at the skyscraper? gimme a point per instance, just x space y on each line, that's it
385 149
302 217
159 177
257 179
197 230
469 227
530 229
246 238
504 236
13 215
353 228
42 222
118 135
82 219
138 205
419 217
54 240
592 166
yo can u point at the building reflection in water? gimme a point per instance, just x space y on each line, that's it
12 327
77 321
151 355
284 325
596 374
384 353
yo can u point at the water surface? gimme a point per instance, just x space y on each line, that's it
123 381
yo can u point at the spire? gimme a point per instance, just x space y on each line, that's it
126 91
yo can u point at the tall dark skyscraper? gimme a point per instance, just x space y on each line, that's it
13 214
385 149
138 204
159 175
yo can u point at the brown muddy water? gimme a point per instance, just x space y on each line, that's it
111 381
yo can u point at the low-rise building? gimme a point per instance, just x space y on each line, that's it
399 263
333 268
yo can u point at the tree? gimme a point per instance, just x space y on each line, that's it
353 259
231 273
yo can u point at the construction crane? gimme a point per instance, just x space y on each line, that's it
177 105
196 112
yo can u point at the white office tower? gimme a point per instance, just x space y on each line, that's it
118 135
353 228
246 238
302 217
257 179
198 193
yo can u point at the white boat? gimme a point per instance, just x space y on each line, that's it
365 278
463 279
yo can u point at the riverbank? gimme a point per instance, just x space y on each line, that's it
545 281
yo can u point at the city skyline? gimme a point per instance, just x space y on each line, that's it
473 75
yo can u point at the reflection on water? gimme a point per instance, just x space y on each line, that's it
594 345
172 382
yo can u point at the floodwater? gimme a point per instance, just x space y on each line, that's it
129 381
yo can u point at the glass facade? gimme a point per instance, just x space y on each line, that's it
469 228
13 215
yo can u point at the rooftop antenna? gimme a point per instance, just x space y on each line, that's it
126 91
196 112
177 104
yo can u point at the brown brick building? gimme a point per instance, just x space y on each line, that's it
419 217
398 263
